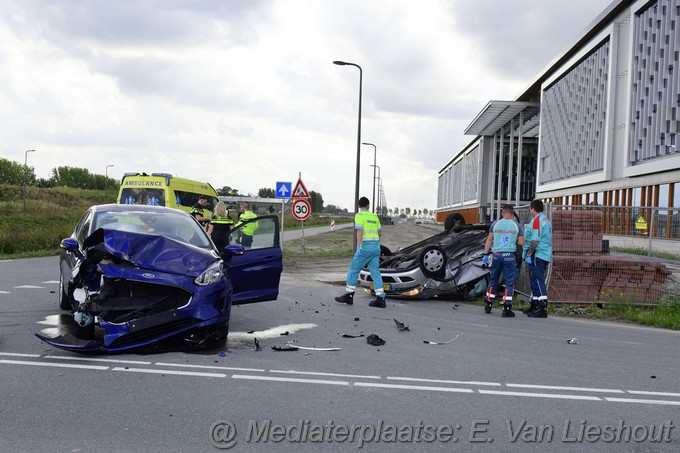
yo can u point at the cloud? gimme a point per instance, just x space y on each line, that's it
244 93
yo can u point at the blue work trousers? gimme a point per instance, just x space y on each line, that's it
368 255
537 280
507 263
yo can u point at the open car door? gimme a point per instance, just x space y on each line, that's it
255 275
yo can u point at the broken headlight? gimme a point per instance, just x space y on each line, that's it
211 275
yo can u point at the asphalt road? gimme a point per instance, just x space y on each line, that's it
502 384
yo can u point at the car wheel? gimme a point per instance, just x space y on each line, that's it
64 301
432 261
454 221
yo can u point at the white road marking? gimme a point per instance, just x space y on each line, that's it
212 367
29 287
87 359
557 387
57 365
642 392
444 381
6 261
312 373
278 379
540 395
51 282
5 292
413 387
633 400
51 320
180 373
16 354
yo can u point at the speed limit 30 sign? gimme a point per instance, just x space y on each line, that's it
301 209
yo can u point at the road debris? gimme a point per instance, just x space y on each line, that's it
349 335
287 347
440 342
572 340
257 345
401 326
375 340
312 349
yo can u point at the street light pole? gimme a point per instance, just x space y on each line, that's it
106 178
378 167
375 154
25 171
356 182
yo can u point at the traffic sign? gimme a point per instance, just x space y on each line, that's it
300 191
283 189
301 209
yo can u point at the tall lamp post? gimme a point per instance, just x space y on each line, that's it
106 178
25 171
378 167
375 154
356 182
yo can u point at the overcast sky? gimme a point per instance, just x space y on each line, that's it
243 93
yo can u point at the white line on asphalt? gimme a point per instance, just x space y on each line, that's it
29 287
633 400
302 381
540 395
5 292
51 282
212 367
16 354
444 381
413 387
5 261
557 387
57 365
87 359
181 373
642 392
311 373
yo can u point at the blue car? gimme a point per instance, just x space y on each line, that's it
135 276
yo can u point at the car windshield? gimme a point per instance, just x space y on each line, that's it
178 226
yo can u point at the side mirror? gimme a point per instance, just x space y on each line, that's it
234 250
69 244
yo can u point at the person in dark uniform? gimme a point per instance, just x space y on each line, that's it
220 226
197 210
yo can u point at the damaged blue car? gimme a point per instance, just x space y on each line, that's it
138 276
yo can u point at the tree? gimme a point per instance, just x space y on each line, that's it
266 192
316 201
425 211
227 191
396 211
13 173
407 211
332 209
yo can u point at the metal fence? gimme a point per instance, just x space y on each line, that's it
605 254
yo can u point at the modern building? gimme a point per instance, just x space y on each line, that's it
599 125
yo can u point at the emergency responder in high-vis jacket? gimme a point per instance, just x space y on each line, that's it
220 226
248 230
368 229
505 235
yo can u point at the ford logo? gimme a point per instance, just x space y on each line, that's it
148 275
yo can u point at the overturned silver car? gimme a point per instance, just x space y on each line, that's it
448 264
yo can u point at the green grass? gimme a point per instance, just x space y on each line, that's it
644 252
332 245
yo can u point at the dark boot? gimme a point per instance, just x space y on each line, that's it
540 313
532 307
507 312
487 307
347 298
378 302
